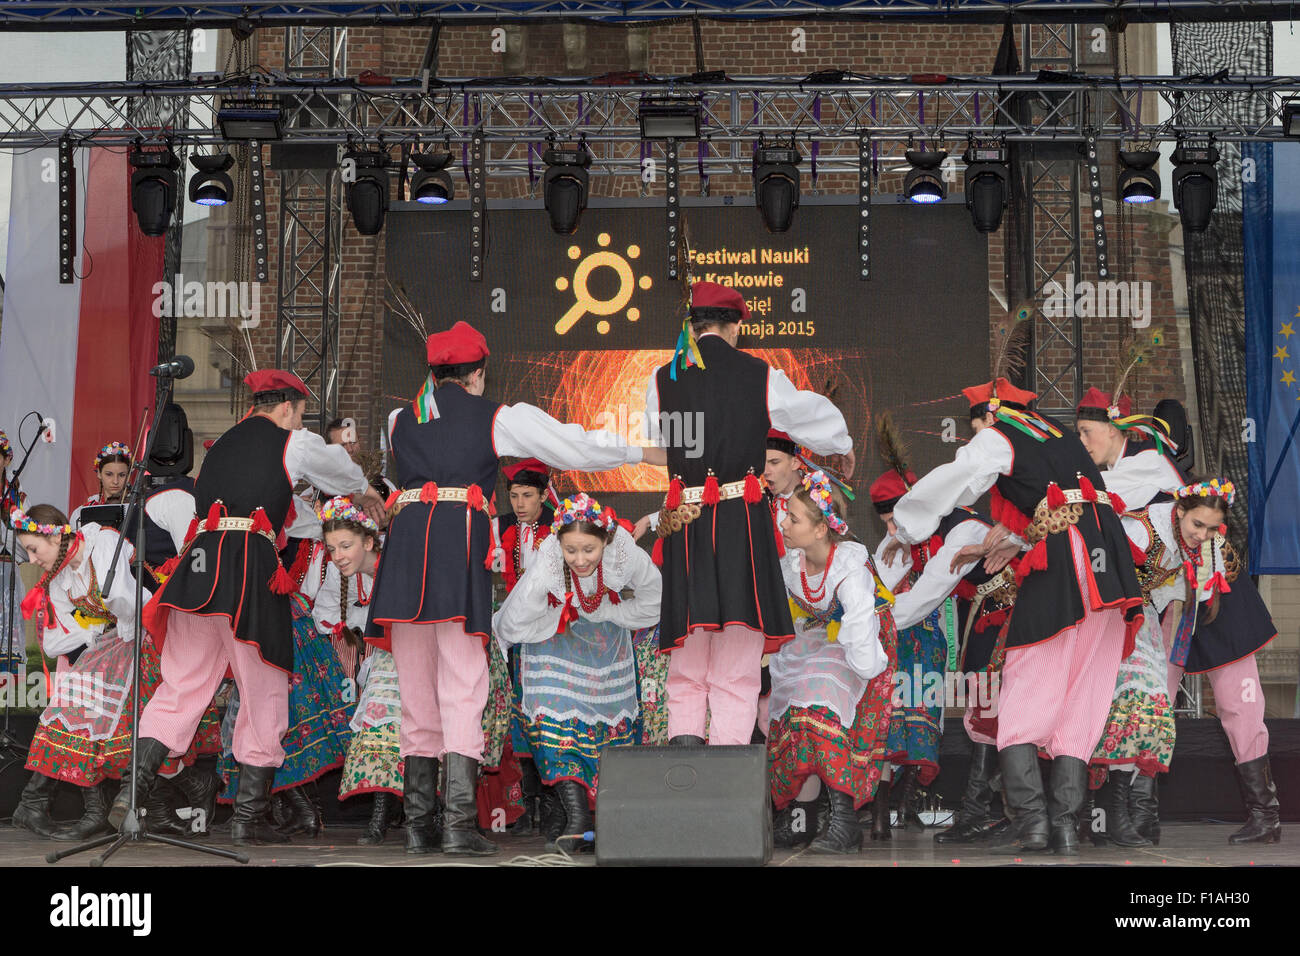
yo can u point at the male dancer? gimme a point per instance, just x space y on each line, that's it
432 600
724 598
1077 610
227 603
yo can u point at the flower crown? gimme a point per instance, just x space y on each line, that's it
109 450
583 507
1214 488
4 445
25 525
818 486
343 509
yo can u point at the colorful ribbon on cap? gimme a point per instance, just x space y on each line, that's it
688 348
818 486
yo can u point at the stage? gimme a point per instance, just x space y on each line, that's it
1181 845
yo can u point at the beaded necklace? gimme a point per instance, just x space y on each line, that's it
812 596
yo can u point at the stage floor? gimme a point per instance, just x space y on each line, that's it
1182 845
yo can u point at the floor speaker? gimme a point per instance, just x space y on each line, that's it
683 806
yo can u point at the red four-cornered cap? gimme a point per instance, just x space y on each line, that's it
458 345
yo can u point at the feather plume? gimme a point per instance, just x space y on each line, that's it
1133 352
685 275
400 302
1012 340
890 443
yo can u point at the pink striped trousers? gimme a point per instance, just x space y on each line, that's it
194 659
1057 694
718 672
442 678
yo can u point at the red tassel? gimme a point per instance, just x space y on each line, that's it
1089 490
965 590
280 582
1117 503
302 561
1007 513
552 600
392 500
214 515
780 544
474 497
1055 496
657 552
613 597
936 543
711 493
996 619
753 490
1139 556
168 568
260 522
674 499
429 493
487 562
193 531
1035 560
1223 529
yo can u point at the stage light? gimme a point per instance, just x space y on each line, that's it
923 182
986 185
368 192
153 189
210 186
565 186
1138 181
1291 117
432 184
250 119
670 119
776 184
1196 185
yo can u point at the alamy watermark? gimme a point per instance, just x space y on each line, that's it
1098 300
931 688
667 429
209 300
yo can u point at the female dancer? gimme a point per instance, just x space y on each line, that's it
831 685
574 613
84 734
112 465
373 764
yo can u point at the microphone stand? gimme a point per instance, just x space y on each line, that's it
132 831
13 748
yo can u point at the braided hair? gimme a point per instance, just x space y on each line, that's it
361 531
48 514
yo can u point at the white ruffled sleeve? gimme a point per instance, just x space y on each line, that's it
526 616
1139 478
526 431
642 609
809 418
859 633
120 599
937 581
892 574
326 611
971 473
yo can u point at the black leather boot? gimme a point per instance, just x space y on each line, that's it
1026 802
880 812
974 821
686 740
33 810
149 757
553 818
94 817
530 784
1114 799
908 800
1258 792
420 801
460 837
251 823
577 814
785 836
198 789
382 813
159 817
1065 795
304 815
1144 807
843 835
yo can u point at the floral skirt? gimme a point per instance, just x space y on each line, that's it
811 742
86 759
914 728
652 681
318 736
570 749
1140 726
496 713
373 764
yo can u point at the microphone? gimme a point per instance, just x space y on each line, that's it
182 366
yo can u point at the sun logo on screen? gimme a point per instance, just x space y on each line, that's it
584 302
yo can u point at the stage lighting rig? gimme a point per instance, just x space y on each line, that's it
432 185
986 184
210 186
368 192
153 188
1196 184
250 119
1291 117
669 119
1138 180
923 182
776 183
565 186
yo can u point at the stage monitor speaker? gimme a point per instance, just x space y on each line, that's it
683 806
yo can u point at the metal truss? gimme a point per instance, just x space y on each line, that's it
888 109
309 290
164 14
